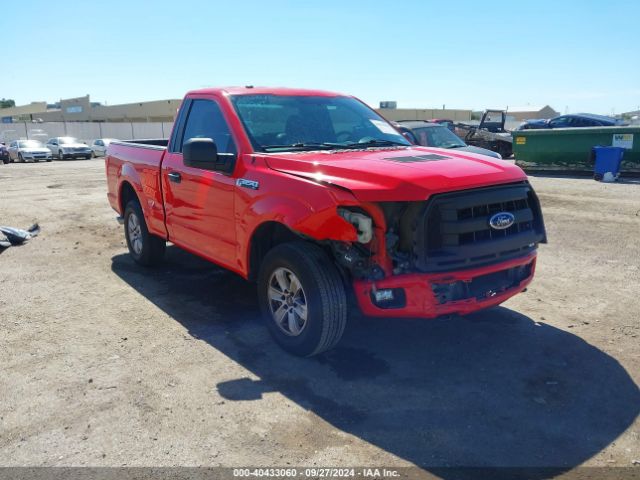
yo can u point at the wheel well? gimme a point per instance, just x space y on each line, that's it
264 238
127 193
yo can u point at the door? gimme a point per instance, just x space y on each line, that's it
53 146
199 203
560 122
13 149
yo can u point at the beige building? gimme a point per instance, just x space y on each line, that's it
532 113
81 109
397 114
20 111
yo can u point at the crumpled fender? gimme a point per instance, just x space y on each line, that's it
305 207
318 223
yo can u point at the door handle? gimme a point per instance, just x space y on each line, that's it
175 177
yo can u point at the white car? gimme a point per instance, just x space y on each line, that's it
99 146
28 150
68 147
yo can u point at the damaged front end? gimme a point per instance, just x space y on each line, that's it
447 254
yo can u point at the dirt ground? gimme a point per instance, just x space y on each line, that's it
104 363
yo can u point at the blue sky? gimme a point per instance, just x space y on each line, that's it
574 55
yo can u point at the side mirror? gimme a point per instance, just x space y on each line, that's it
409 137
203 153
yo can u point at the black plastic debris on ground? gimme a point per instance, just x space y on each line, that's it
10 236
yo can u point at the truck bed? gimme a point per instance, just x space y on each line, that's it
156 142
138 162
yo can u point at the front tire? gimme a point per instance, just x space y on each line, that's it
302 298
20 158
145 248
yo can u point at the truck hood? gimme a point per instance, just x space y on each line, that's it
396 174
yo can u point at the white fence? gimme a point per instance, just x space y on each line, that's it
85 131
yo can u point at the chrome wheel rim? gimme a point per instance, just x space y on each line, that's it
287 301
135 233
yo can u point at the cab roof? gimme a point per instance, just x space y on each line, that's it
251 90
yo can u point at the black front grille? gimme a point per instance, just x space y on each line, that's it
483 286
455 231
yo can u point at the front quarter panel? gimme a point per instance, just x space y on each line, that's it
306 207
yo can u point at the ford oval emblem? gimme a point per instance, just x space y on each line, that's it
501 220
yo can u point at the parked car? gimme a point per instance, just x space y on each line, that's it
28 150
311 193
99 146
450 124
68 147
573 121
4 153
438 135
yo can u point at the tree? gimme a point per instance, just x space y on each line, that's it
7 103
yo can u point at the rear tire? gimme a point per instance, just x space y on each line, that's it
302 298
145 248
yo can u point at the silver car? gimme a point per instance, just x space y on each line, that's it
28 150
68 147
99 146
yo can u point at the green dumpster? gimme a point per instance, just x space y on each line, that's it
570 149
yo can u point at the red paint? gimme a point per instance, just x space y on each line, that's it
207 214
421 301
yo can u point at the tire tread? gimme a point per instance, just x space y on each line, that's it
330 288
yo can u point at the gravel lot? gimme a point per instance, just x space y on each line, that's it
105 363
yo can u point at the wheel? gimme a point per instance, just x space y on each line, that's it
49 159
302 298
60 155
93 154
145 248
20 158
505 151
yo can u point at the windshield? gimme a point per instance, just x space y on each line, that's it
281 123
66 140
30 144
440 137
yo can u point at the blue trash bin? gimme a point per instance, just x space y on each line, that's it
607 160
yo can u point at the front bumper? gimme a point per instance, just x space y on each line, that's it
76 154
37 156
430 295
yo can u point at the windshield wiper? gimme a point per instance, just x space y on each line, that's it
301 146
375 142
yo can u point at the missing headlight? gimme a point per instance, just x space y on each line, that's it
362 222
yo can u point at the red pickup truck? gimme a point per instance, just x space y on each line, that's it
313 195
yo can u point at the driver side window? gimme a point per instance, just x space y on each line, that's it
562 122
205 120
